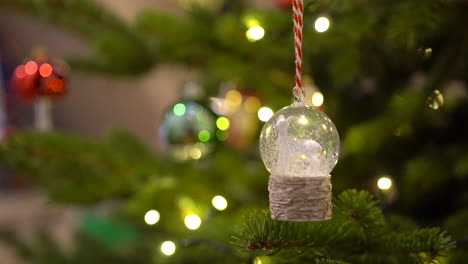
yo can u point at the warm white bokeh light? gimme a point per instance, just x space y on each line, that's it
195 153
265 113
435 100
303 120
317 99
384 183
322 24
258 260
168 248
255 33
219 202
152 217
192 221
234 97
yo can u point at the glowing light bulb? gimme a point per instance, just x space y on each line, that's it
427 53
317 99
265 113
195 153
255 33
152 217
192 221
219 202
20 72
303 120
299 141
322 24
179 109
222 123
168 248
233 97
435 100
45 70
30 67
257 260
384 183
204 136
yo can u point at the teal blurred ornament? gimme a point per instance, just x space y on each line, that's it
188 130
109 231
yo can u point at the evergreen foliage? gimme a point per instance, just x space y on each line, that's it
357 233
378 67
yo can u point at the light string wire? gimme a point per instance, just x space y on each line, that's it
298 11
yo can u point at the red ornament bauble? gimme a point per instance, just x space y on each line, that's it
284 4
39 77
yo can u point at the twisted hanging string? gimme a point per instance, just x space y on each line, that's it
298 10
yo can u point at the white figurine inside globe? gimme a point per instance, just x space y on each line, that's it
299 140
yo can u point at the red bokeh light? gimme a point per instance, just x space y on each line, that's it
30 67
20 72
38 78
55 86
45 70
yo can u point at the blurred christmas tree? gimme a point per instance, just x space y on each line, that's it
393 77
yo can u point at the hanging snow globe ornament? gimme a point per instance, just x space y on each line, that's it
299 146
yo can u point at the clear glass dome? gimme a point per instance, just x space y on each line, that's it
299 140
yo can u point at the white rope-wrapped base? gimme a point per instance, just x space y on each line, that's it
300 198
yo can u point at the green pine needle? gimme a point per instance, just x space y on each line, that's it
357 232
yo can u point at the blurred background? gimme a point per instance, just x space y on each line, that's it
129 124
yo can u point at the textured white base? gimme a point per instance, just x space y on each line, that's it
300 198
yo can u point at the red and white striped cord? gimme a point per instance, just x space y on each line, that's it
298 11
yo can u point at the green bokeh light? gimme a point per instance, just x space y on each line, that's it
221 135
204 136
179 109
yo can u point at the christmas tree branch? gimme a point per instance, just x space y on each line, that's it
218 44
356 229
100 170
225 248
117 48
120 166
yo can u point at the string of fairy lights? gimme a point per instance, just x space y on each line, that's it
234 99
192 222
256 32
231 100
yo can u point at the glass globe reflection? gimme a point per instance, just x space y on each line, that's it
188 130
299 140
